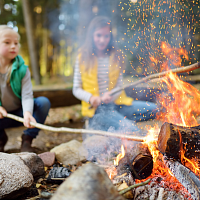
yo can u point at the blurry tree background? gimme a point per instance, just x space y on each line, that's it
139 27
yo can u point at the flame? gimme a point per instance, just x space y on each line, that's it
182 102
191 164
111 171
161 174
119 156
181 107
151 142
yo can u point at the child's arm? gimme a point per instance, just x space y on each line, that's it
78 91
27 100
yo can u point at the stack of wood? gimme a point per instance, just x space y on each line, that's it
179 144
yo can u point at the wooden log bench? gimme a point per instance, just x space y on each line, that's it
62 97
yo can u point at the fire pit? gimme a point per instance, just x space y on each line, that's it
174 160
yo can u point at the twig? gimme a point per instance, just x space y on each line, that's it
77 131
134 186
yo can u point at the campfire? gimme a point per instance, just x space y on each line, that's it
172 160
165 163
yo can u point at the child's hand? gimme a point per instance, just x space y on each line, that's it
95 101
3 112
106 98
27 119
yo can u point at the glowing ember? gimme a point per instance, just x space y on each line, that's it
190 164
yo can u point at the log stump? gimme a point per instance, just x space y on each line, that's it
173 139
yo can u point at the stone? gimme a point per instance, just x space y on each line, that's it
69 153
15 176
89 182
34 162
48 158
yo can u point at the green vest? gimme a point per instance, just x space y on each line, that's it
18 72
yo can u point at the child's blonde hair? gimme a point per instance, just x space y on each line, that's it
7 28
4 28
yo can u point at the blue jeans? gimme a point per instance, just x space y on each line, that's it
110 117
40 112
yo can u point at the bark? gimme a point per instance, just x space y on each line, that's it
186 177
31 43
173 139
140 166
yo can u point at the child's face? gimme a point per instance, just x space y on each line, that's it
9 44
101 38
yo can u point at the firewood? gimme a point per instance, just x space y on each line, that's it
186 177
140 166
174 140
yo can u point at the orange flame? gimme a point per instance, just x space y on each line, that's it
190 163
111 171
119 156
181 107
182 102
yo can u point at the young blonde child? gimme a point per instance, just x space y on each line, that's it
16 96
98 70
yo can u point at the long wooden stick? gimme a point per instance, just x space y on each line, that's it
78 131
158 75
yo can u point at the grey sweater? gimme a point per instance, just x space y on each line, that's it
10 101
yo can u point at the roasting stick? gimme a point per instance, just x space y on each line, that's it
78 131
154 76
158 75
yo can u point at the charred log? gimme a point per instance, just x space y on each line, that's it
173 140
140 166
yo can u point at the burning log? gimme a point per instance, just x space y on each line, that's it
131 168
175 141
140 167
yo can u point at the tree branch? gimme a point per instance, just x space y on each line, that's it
77 131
